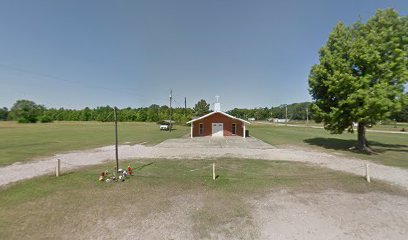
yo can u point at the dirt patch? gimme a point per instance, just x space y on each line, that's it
223 217
171 222
330 215
277 215
157 217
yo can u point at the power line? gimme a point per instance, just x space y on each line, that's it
82 84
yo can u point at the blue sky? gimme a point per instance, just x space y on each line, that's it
78 53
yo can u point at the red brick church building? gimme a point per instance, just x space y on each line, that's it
217 123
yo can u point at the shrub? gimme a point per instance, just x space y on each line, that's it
46 119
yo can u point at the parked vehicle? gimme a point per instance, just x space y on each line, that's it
164 127
165 124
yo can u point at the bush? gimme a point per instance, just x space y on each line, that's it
25 111
25 120
46 119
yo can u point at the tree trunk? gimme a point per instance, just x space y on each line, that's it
362 144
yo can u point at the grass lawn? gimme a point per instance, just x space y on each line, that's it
384 127
391 127
23 142
391 149
76 205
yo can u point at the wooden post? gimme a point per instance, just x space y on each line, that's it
57 168
307 116
213 171
116 139
171 99
367 173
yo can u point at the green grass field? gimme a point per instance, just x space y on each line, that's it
23 142
384 127
391 127
391 149
77 200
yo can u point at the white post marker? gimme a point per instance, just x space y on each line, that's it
191 130
213 171
57 168
368 173
307 116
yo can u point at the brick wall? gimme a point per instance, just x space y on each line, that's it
218 118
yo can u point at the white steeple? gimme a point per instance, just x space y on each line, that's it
217 105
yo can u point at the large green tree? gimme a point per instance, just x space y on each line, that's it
25 111
201 108
361 74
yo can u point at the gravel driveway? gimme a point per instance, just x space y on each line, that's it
202 148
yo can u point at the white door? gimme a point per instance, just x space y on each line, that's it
217 129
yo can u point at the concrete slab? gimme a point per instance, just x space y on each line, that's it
215 142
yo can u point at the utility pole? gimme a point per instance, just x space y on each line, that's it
171 99
185 106
307 115
116 139
286 118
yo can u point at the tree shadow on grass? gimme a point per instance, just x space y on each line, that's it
347 145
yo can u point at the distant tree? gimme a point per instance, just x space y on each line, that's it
25 111
277 112
127 115
201 108
45 118
361 74
3 114
297 111
153 113
59 115
262 113
104 114
164 113
182 115
142 115
51 113
236 112
85 114
401 116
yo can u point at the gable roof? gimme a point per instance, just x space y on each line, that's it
223 113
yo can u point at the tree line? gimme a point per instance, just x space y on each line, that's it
25 111
296 111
